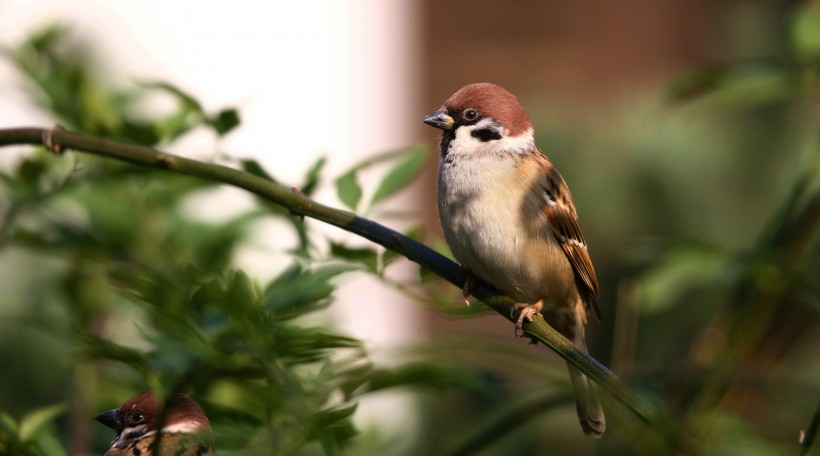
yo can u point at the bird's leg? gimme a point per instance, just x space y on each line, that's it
469 285
528 311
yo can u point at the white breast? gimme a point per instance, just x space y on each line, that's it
493 230
490 199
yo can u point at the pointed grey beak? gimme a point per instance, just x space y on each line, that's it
440 119
111 419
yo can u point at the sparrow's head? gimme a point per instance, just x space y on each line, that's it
482 117
141 416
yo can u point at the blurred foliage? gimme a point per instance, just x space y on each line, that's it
401 174
60 74
716 298
113 288
711 310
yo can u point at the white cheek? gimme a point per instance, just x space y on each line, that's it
467 144
185 427
524 142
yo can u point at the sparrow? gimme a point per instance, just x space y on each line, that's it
181 425
509 220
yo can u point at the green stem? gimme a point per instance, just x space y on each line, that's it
58 139
810 434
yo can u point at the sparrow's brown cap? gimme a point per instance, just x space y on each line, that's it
144 408
490 100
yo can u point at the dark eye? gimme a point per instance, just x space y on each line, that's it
137 417
470 114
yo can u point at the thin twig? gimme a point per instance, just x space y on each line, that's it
808 435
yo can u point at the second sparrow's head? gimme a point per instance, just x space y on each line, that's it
143 416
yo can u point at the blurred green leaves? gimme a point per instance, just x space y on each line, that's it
726 318
408 167
28 437
764 80
59 73
405 167
748 84
190 114
349 190
805 33
151 293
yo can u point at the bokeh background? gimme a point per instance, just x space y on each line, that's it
687 131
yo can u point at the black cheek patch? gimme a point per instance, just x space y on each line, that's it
485 134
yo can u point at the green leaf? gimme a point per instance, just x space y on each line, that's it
402 174
331 415
225 121
333 428
252 166
49 444
805 33
182 121
96 347
187 101
241 291
32 423
46 38
367 257
696 83
8 425
429 374
297 291
348 189
750 84
31 170
681 270
313 176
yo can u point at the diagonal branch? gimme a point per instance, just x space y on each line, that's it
808 435
58 139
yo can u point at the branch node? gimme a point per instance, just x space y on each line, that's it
48 140
166 160
301 216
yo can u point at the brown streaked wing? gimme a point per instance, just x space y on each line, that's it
170 445
185 445
563 221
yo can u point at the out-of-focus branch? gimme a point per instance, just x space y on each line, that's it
808 435
58 140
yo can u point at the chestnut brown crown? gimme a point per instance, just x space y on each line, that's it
144 410
489 100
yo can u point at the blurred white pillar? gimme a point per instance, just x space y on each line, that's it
311 78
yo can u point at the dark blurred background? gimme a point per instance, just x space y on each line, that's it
687 131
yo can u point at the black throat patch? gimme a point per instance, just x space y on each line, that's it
447 137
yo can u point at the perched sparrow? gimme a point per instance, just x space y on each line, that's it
508 218
185 429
